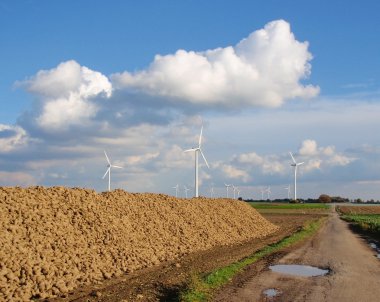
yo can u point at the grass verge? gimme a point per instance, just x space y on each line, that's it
201 288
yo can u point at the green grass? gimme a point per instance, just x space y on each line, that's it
287 206
201 288
366 222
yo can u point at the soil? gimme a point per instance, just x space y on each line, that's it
164 282
55 240
355 271
359 209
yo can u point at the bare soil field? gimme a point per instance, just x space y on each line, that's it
358 209
56 240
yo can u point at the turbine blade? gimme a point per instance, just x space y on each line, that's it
105 174
300 163
108 160
190 150
200 137
292 157
116 167
204 158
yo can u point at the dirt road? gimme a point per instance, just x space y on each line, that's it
355 271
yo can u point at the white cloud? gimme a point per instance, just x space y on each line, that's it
234 173
65 94
12 137
308 147
269 164
316 157
263 69
17 178
141 159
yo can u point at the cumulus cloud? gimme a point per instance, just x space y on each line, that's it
232 172
12 137
269 164
263 69
64 95
247 166
316 157
308 147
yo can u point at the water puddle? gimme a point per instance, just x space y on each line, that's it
299 270
271 292
376 248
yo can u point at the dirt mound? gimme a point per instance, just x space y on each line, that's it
55 239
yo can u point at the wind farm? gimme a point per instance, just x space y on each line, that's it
190 152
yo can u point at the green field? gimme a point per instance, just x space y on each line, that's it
366 222
288 206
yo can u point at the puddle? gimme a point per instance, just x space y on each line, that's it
299 270
376 248
271 292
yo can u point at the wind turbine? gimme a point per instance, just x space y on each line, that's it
262 193
295 165
288 188
227 186
235 189
211 192
109 166
196 151
176 190
186 189
268 192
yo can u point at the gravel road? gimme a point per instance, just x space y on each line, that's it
355 271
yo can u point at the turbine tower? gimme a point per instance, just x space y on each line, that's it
186 189
227 186
176 190
262 193
109 166
295 165
211 192
288 189
235 189
196 151
268 192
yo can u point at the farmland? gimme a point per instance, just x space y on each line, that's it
366 218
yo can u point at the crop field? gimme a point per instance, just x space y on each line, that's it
290 208
367 218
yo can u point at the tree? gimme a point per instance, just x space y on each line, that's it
324 198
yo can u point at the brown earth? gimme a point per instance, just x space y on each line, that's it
163 282
358 209
54 240
354 276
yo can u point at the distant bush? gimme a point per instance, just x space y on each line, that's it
324 198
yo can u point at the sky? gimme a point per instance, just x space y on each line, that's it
140 78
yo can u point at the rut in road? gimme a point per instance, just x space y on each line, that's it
355 271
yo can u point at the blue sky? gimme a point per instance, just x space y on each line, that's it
82 76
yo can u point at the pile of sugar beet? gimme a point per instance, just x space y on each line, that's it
56 239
